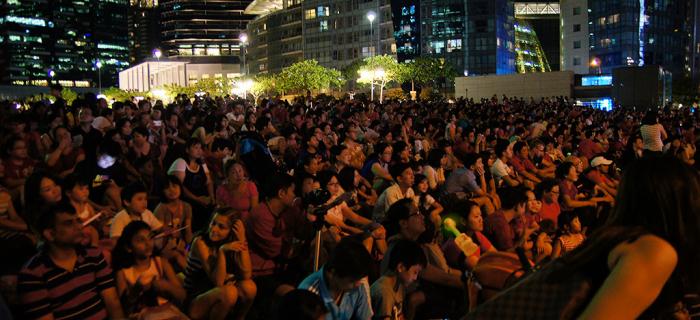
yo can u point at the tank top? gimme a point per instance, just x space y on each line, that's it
651 135
196 182
154 270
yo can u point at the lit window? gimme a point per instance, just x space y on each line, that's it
454 45
323 26
323 11
310 14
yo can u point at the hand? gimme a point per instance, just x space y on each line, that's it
239 230
204 200
379 233
235 246
64 144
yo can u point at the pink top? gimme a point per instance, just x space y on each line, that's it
240 202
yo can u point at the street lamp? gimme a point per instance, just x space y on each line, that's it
52 74
371 16
595 63
98 64
157 54
243 38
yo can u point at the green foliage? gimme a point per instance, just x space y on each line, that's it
425 70
308 75
69 95
392 69
395 94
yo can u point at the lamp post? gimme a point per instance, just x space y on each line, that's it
379 75
371 16
157 54
52 74
98 64
243 38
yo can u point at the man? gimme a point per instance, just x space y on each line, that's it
403 175
600 168
390 290
464 182
65 281
502 173
90 136
525 168
342 282
498 226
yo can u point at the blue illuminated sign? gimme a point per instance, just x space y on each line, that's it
588 81
605 104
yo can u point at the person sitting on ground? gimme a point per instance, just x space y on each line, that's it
571 237
599 174
64 280
468 181
342 282
176 216
218 274
403 175
505 175
466 218
389 292
135 200
144 280
301 304
238 192
78 194
499 227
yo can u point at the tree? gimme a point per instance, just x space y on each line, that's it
380 70
308 75
424 70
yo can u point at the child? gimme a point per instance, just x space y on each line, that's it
219 271
78 194
426 203
144 280
388 293
175 215
572 235
135 200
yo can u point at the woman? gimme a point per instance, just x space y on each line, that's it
197 185
18 164
645 258
238 192
64 155
570 197
468 220
218 274
434 169
653 134
376 169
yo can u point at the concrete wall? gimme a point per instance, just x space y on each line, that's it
536 85
151 75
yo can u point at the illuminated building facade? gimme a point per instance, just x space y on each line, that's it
144 29
61 41
530 56
204 30
334 33
639 33
406 18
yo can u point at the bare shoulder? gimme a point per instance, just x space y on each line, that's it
654 251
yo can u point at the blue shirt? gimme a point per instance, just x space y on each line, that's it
461 180
355 303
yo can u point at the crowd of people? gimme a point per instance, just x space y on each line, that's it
344 208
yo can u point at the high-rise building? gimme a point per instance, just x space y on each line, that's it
474 36
406 19
61 41
144 29
628 33
335 33
529 55
575 45
203 30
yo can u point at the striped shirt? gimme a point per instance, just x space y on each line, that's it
47 289
651 135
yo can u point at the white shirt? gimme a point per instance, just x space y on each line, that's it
122 219
388 197
180 165
500 170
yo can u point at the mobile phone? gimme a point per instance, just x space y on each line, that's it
157 123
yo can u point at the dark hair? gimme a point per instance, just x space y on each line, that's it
191 142
397 169
300 304
335 152
221 144
501 147
435 156
10 144
657 195
545 186
170 180
512 197
399 210
563 170
408 253
32 192
518 146
131 190
74 179
46 219
325 176
650 118
346 178
469 159
350 259
121 257
261 123
275 182
140 130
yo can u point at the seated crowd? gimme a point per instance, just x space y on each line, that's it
209 208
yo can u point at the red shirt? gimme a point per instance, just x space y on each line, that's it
18 171
520 164
550 211
588 148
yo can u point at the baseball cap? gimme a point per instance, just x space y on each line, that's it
600 160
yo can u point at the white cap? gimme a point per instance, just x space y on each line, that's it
600 160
